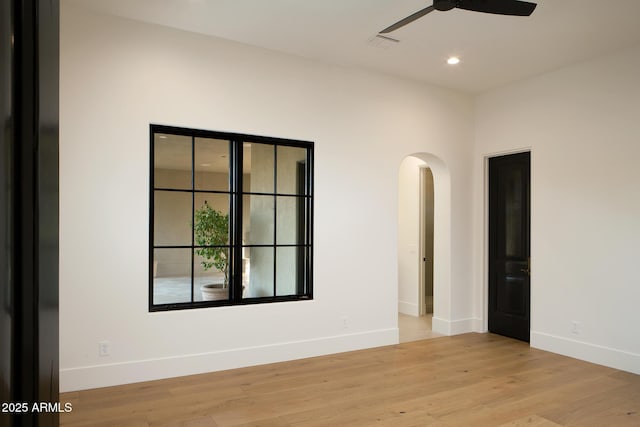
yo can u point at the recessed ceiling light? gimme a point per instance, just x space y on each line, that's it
453 60
162 136
205 164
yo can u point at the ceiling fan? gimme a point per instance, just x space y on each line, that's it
500 7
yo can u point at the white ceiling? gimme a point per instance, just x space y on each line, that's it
495 50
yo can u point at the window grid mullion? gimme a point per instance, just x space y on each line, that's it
193 212
236 235
186 190
309 226
152 162
275 215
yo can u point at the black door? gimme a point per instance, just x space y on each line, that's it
509 248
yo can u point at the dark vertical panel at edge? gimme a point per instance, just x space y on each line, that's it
6 170
30 152
25 345
48 34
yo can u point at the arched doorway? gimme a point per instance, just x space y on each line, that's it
411 241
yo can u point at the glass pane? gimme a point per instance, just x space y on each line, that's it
513 213
171 218
171 276
260 227
287 271
210 274
290 221
211 164
211 219
291 170
172 161
258 167
246 267
258 272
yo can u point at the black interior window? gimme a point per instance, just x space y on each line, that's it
230 219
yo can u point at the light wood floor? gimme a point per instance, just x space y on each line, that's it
466 380
414 328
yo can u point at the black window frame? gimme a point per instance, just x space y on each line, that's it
236 194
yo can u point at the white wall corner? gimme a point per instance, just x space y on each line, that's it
440 326
87 377
408 308
454 327
479 326
593 353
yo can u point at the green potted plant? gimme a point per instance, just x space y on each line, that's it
211 229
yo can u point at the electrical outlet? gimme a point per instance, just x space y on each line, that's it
576 327
345 323
104 348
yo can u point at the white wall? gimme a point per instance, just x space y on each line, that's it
118 76
582 125
409 235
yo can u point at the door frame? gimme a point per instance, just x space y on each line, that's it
484 271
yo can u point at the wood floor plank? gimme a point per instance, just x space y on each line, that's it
531 421
471 379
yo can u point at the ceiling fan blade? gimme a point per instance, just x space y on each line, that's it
408 19
500 7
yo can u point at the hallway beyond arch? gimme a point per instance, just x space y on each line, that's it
409 254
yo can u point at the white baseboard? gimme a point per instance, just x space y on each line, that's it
593 353
86 377
408 308
478 326
454 327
